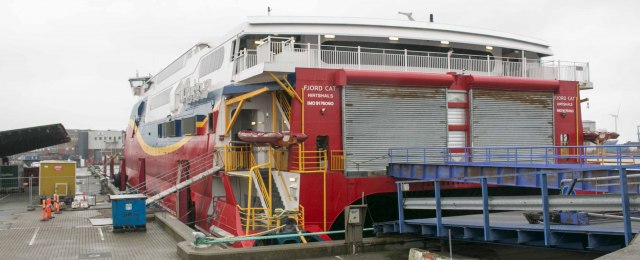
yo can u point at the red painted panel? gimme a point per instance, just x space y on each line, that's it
568 117
458 127
506 83
457 105
389 78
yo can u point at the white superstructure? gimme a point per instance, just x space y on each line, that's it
280 44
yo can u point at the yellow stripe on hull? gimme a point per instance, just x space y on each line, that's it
157 151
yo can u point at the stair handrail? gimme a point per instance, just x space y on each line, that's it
266 195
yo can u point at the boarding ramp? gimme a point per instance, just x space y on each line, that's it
598 220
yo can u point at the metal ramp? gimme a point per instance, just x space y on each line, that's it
516 166
535 167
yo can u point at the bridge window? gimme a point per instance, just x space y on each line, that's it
189 126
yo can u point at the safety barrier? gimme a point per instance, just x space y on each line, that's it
310 161
544 179
518 156
279 49
237 157
254 219
337 160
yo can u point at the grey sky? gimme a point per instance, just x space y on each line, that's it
68 61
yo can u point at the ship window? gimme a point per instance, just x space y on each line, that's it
160 130
189 126
211 62
233 50
212 123
174 67
169 129
161 99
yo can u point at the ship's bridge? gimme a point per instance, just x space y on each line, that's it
387 45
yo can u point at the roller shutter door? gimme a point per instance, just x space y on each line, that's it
377 118
511 118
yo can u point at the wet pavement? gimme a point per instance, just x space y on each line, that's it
70 235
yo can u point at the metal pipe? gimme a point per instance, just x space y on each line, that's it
604 215
608 178
237 239
593 203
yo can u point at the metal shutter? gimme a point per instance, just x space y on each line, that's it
511 118
377 118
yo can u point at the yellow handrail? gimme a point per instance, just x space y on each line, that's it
237 157
337 160
284 104
280 159
284 184
314 162
256 170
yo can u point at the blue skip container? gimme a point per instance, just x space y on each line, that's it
129 212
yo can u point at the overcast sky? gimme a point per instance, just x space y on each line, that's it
68 61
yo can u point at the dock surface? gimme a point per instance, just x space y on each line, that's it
70 235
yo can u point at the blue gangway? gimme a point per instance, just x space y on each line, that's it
600 170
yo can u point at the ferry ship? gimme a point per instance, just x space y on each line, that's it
293 117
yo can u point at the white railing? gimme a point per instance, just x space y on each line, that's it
246 59
359 58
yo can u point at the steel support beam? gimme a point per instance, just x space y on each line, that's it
436 189
545 209
485 210
626 213
589 203
400 208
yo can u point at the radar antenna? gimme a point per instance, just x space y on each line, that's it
409 15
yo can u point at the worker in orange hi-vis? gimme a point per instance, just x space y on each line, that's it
44 211
56 203
48 208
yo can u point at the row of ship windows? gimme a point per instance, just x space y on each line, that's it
181 127
99 138
210 63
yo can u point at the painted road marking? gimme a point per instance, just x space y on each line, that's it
5 196
33 239
101 234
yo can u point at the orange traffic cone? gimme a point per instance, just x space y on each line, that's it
56 203
48 209
44 212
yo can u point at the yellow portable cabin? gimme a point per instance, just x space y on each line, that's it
57 176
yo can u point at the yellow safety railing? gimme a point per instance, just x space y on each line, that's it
337 160
258 218
253 218
255 171
284 104
237 157
280 159
300 218
309 162
284 184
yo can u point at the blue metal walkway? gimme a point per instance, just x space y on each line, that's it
539 167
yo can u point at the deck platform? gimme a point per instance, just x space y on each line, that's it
512 228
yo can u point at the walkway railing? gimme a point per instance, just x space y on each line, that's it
337 160
541 176
518 156
237 157
309 55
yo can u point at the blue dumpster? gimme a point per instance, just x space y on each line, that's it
129 212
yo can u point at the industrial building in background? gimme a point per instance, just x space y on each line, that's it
84 147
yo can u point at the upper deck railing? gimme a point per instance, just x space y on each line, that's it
539 156
284 50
